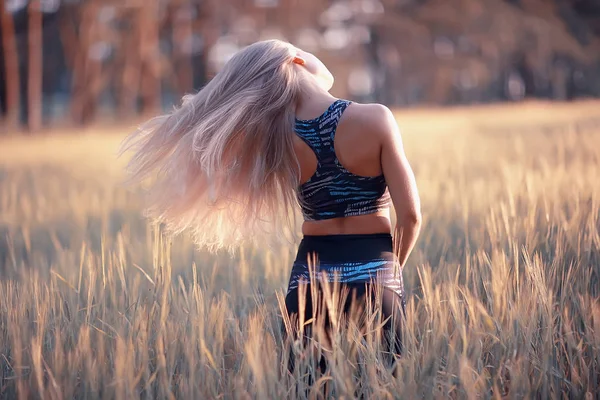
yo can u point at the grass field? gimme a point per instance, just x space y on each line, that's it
503 286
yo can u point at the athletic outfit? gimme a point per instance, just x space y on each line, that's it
360 263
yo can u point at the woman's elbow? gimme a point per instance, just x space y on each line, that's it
410 218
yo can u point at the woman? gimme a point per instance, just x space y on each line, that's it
265 135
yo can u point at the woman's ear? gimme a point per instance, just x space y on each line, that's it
299 60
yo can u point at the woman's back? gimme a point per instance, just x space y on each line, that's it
344 182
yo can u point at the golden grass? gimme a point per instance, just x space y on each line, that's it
503 286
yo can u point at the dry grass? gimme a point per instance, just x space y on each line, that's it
503 286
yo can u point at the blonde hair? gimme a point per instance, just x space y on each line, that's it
225 162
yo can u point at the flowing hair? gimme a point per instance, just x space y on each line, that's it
222 164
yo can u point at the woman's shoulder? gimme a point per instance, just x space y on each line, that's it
377 118
370 110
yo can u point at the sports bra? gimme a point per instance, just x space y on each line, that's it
333 191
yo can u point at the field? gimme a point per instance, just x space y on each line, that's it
503 286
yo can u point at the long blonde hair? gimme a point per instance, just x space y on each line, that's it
224 161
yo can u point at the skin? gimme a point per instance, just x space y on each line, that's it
367 143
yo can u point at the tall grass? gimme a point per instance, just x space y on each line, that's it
503 287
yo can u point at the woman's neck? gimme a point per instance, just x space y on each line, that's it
313 101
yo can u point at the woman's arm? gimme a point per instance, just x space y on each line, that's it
401 183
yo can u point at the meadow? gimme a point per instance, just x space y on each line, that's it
503 288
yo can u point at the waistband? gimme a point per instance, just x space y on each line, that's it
346 248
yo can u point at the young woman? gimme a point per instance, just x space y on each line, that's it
265 135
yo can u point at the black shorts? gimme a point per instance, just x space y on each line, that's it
363 266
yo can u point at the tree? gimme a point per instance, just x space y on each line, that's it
34 66
11 68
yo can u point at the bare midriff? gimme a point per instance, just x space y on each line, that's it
378 222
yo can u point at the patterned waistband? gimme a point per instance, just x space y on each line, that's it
383 272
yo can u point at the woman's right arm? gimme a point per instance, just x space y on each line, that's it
401 182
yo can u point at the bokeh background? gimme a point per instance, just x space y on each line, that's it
77 61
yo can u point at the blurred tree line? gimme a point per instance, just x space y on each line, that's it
85 59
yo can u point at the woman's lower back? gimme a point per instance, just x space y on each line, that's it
360 225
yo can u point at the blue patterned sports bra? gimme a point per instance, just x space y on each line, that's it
333 191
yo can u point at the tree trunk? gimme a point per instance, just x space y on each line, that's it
88 81
68 35
34 67
183 33
150 58
129 79
11 61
